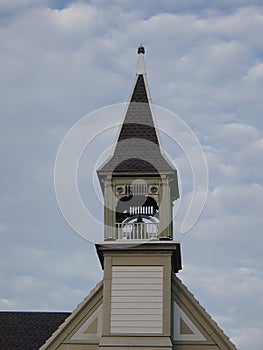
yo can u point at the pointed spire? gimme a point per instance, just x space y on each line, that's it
138 122
138 149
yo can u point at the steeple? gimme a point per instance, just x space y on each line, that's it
138 148
138 182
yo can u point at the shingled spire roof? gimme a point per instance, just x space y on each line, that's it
138 149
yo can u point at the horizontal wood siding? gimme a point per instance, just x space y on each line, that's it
137 300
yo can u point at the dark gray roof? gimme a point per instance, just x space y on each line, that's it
138 121
137 149
28 330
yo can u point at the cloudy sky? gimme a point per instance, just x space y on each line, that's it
61 60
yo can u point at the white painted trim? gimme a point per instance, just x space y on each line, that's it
141 65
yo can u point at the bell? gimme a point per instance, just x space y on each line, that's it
139 219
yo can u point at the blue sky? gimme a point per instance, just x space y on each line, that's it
61 60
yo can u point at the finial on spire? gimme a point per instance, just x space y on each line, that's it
141 49
141 65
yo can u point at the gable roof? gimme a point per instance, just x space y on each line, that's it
28 330
193 327
192 324
138 148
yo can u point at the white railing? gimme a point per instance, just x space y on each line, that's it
142 230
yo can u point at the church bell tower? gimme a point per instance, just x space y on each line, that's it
138 253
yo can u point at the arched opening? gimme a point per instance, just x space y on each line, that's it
137 217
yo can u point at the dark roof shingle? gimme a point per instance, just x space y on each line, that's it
137 149
28 330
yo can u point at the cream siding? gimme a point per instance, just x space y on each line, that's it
136 300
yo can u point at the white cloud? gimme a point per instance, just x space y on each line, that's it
13 6
249 337
64 276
